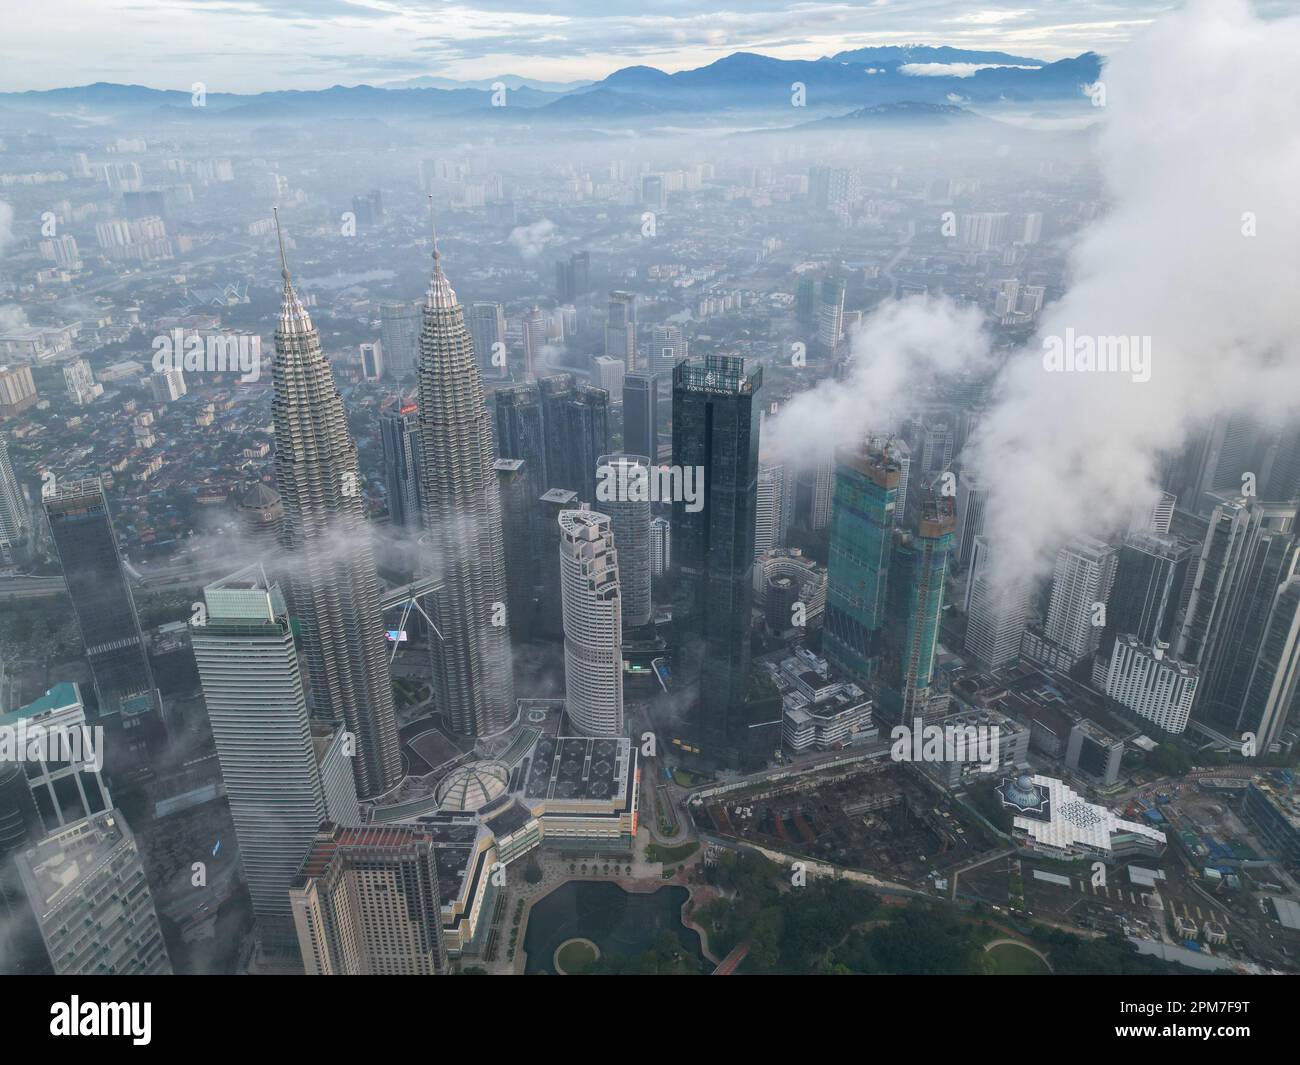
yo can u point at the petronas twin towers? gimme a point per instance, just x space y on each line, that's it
473 682
330 561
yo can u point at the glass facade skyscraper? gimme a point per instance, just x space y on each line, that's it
715 430
862 524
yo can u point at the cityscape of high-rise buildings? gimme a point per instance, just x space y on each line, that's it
435 546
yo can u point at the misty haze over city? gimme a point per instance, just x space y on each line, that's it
513 488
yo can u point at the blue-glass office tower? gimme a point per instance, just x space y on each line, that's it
715 429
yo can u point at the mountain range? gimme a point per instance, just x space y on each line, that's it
741 84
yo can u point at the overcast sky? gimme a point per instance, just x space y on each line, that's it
253 45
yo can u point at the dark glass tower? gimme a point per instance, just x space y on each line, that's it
110 627
867 485
1150 574
641 415
399 430
715 429
1249 552
517 411
584 438
517 511
560 429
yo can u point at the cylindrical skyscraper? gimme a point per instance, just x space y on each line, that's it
593 628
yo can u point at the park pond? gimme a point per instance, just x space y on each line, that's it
619 922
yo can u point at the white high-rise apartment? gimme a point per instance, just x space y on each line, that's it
1084 571
87 889
661 544
769 527
168 384
15 522
995 613
1155 687
593 623
823 494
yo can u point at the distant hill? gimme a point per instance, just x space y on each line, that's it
866 82
898 55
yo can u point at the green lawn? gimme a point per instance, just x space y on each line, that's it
575 957
1010 959
654 852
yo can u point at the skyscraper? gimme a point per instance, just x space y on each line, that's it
399 334
805 300
1085 571
517 510
1275 672
335 588
866 494
534 332
1150 575
86 886
608 373
105 608
830 314
558 428
620 328
641 415
255 702
22 950
716 432
995 613
550 612
366 903
623 494
399 433
821 486
971 498
1154 686
520 430
593 627
769 523
473 685
168 384
661 546
487 329
667 348
15 523
571 276
583 438
1249 553
64 789
918 569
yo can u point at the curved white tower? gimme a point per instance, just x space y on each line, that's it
593 623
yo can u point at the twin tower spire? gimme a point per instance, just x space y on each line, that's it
293 315
462 547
